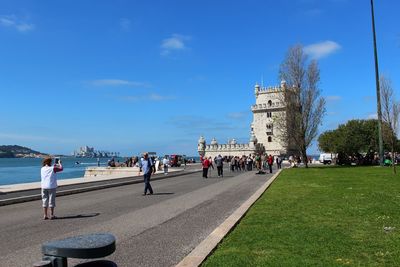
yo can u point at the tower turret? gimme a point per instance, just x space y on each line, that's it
214 142
256 89
201 146
283 84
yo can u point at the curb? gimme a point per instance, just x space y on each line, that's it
207 246
22 199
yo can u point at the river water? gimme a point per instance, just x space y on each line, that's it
26 170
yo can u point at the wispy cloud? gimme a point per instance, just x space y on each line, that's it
320 50
32 138
151 97
197 125
372 116
333 98
237 115
198 78
176 42
116 83
157 97
368 98
13 22
313 12
125 24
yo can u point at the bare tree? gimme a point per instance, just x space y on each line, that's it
390 115
304 106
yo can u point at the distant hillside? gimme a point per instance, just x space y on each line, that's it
14 151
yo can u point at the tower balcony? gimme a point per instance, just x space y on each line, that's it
266 107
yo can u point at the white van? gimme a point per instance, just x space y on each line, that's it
326 158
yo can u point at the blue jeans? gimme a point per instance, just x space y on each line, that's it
147 185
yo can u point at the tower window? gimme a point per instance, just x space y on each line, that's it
269 139
269 103
269 114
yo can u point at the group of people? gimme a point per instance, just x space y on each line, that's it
208 163
243 163
134 162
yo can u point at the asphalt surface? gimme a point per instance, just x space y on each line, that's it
157 230
35 194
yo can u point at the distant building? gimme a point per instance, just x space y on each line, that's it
90 152
264 136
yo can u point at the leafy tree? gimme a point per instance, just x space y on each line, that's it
357 139
327 141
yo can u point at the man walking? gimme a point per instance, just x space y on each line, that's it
270 161
219 163
279 162
146 165
206 164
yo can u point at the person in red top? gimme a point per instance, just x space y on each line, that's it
270 161
206 164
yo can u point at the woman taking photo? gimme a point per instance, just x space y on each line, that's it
49 185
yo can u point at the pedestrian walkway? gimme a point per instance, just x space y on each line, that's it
73 181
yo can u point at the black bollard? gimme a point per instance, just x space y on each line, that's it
42 264
99 263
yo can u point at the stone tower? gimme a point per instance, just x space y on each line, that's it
269 107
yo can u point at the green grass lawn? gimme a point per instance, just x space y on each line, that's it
332 216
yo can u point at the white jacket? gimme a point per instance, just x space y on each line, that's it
49 178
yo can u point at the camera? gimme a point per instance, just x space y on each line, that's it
57 160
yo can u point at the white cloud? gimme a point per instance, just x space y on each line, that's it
12 21
237 115
117 82
333 98
372 116
174 43
320 50
150 97
157 97
125 24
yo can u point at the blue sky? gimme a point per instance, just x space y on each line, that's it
133 76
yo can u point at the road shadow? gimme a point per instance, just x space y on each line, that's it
88 215
166 193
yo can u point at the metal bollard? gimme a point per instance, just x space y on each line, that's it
42 264
56 261
98 263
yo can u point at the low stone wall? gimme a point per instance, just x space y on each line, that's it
114 171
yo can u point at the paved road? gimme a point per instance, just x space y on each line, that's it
19 196
157 230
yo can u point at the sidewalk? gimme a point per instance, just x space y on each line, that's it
73 181
18 193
